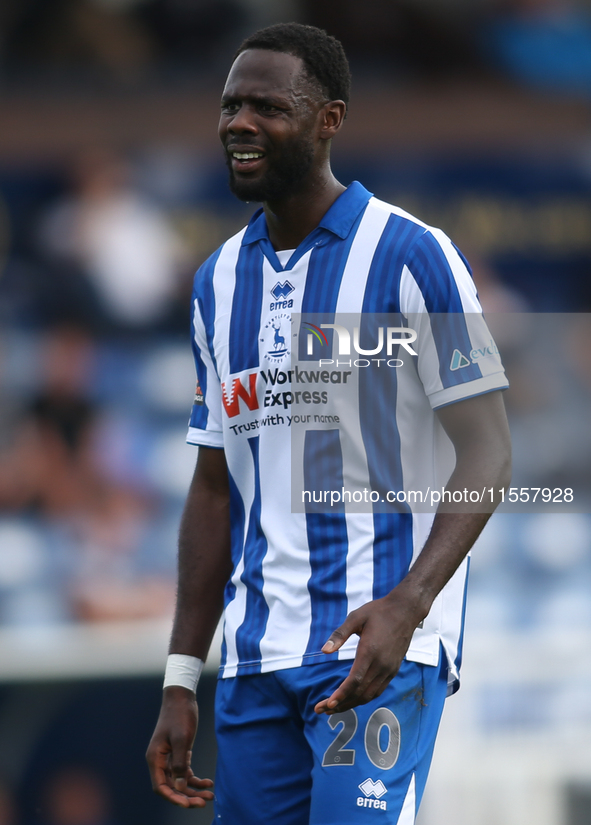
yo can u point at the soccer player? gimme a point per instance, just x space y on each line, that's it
342 630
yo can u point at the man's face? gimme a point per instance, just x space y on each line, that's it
267 125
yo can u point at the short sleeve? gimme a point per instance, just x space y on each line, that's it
205 424
457 356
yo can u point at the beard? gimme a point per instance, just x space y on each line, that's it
283 177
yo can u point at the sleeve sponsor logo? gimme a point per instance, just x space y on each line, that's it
459 360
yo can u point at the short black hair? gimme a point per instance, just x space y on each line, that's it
322 55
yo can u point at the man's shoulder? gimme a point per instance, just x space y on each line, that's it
416 232
399 215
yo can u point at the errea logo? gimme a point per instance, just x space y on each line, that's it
281 293
372 789
282 290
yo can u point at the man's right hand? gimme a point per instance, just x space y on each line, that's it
169 751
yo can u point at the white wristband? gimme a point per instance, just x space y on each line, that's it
183 671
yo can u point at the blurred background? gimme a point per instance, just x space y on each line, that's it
473 114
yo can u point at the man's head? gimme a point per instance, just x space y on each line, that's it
323 56
285 98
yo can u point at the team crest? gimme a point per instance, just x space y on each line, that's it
276 333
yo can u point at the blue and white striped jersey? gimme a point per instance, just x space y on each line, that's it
297 575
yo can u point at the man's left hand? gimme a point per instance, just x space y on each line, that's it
385 628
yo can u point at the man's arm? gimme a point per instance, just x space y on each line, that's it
204 567
479 432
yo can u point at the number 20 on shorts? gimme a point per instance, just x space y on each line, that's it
338 754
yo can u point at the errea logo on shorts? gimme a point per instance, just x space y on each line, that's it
372 789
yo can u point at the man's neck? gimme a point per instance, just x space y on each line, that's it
292 220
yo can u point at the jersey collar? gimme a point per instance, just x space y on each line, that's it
339 219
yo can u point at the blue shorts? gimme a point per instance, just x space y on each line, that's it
282 764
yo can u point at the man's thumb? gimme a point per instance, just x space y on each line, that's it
337 638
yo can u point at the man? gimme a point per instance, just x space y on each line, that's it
313 727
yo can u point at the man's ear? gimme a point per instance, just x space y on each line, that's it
331 118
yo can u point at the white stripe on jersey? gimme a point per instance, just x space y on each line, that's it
224 282
235 610
360 257
286 536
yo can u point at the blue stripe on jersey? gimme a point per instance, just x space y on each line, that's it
204 293
432 272
237 522
382 289
323 281
252 629
464 260
434 276
247 301
323 469
378 392
393 548
327 539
